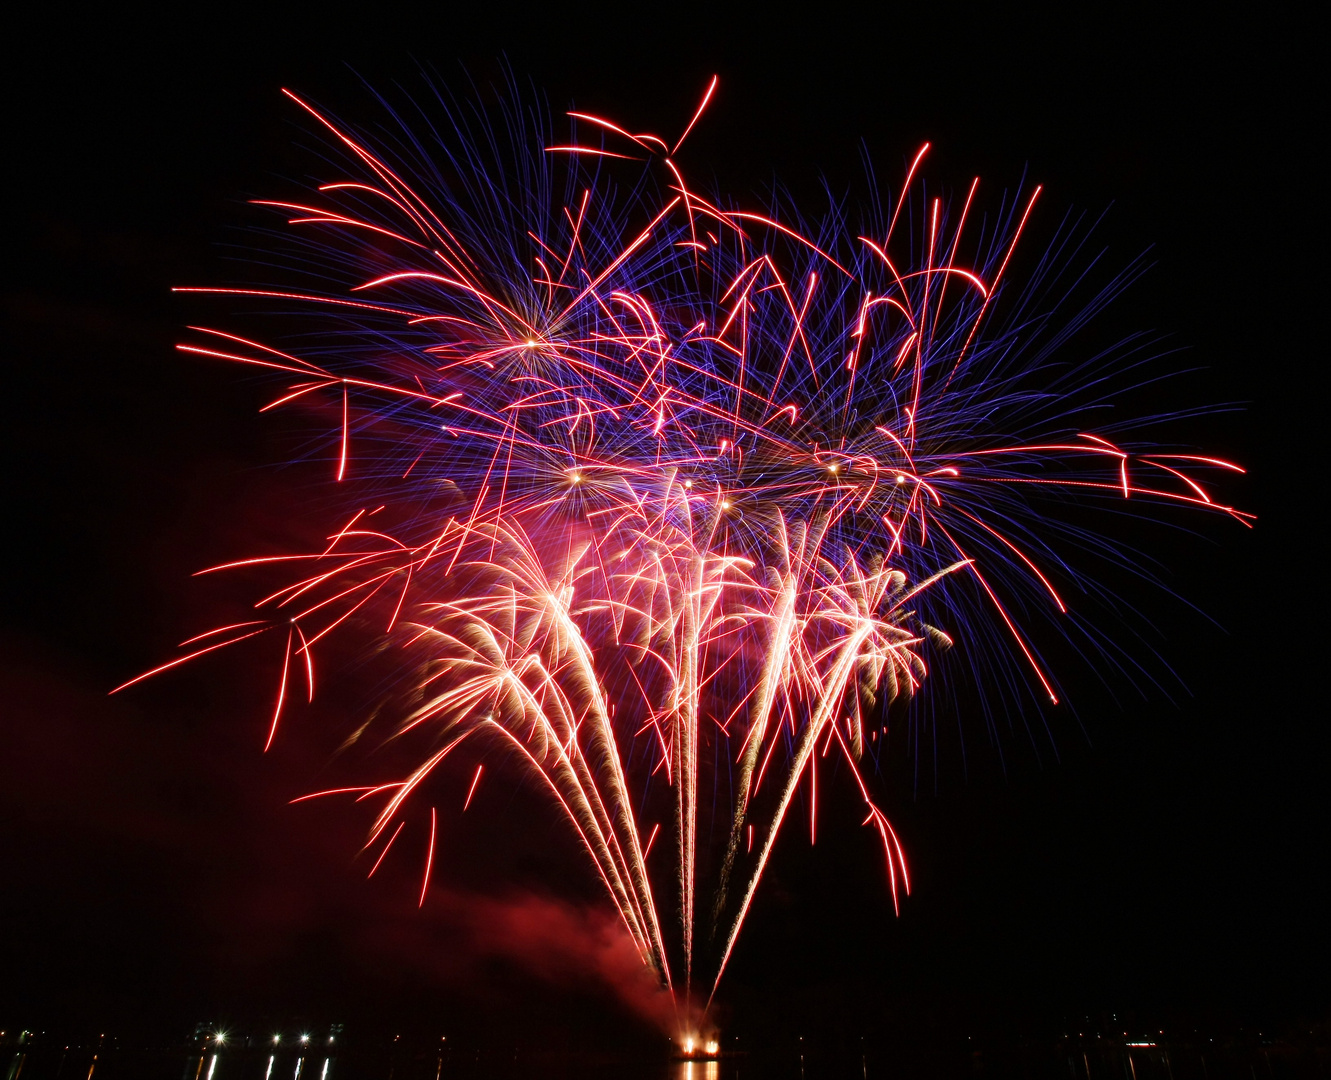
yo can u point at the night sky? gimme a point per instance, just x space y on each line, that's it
1167 860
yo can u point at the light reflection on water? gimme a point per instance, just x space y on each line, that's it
240 1071
242 1065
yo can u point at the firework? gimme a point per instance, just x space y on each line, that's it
683 494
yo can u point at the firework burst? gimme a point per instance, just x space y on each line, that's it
684 494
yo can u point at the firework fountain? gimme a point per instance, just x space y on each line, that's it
669 493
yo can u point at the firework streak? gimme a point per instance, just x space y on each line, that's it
674 486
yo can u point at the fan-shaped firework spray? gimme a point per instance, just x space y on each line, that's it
682 493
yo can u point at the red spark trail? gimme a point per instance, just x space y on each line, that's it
429 858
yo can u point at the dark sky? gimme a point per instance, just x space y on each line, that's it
1171 861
